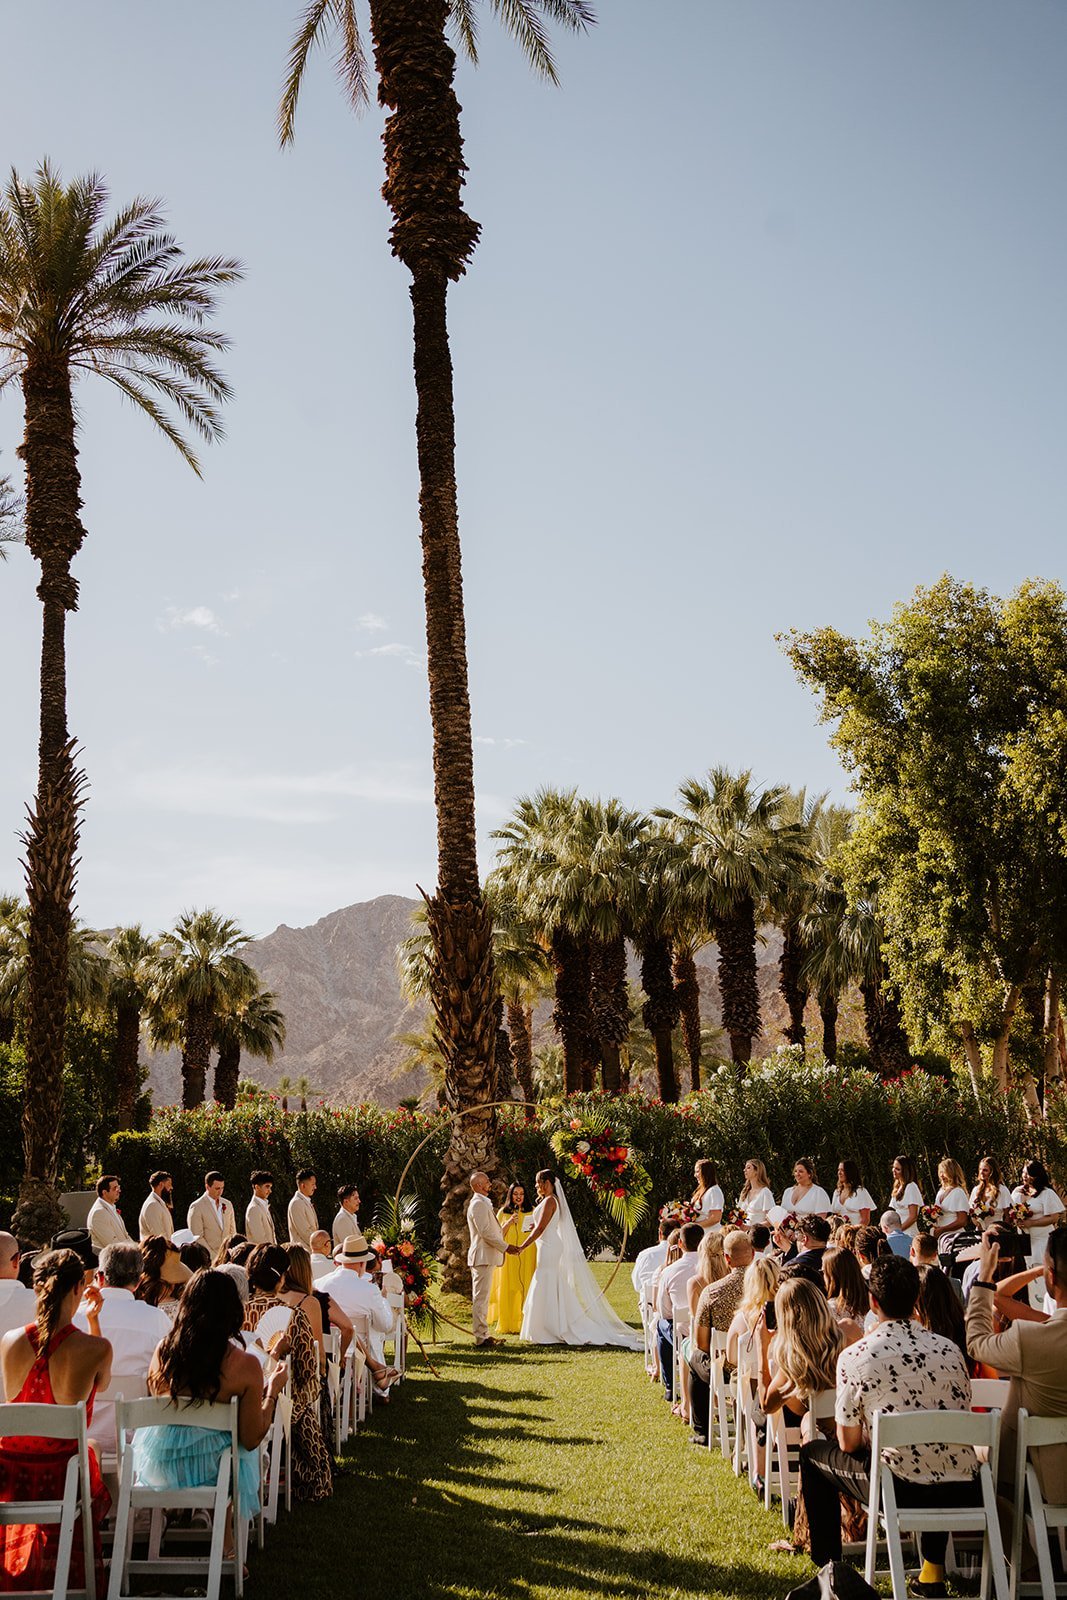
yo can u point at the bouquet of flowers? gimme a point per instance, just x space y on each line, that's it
1016 1214
679 1211
735 1217
588 1148
982 1212
928 1218
791 1225
398 1249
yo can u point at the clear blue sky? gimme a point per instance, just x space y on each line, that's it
767 326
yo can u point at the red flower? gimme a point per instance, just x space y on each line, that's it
620 1194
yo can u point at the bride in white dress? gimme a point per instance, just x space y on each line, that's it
564 1304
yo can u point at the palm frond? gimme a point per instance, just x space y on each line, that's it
318 19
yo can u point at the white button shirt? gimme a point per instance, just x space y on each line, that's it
133 1329
358 1295
18 1308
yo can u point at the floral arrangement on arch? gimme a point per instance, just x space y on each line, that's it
679 1212
395 1243
588 1148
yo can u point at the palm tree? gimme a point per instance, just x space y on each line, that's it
130 955
434 238
253 1026
11 509
687 999
827 960
734 850
88 972
284 1087
198 977
79 294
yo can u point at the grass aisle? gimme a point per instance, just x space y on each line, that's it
528 1474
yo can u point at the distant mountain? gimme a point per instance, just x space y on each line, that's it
337 985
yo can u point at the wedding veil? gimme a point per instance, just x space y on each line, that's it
606 1327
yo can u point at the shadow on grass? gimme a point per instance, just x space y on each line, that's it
403 1521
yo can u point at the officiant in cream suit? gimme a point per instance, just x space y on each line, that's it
487 1251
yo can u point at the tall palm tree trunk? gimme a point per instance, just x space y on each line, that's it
570 961
828 1013
794 990
610 1007
503 1057
687 992
736 938
7 1028
886 1037
127 1063
196 1053
434 238
660 1012
227 1073
520 1028
54 534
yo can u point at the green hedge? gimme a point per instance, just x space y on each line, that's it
782 1108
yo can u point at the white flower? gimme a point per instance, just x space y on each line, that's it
582 1147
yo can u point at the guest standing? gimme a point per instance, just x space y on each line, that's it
105 1222
51 1362
346 1222
511 1279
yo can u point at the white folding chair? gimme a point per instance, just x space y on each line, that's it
989 1394
682 1325
22 1420
978 1429
719 1398
355 1380
746 1446
400 1330
1046 1516
278 1459
131 1415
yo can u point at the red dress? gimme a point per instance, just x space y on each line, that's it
35 1469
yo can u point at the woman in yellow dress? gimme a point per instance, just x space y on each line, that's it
512 1278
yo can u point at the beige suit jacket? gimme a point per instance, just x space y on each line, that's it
345 1223
303 1221
106 1226
203 1221
1034 1356
155 1220
488 1245
259 1223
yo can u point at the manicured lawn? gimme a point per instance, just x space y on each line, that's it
525 1474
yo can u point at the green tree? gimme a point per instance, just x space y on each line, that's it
12 507
250 1026
733 852
434 239
198 976
80 294
88 973
130 954
950 718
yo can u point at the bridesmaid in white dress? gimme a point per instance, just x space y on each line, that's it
906 1199
805 1197
756 1199
850 1198
707 1198
564 1304
1047 1209
990 1194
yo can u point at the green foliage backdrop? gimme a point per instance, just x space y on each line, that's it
782 1108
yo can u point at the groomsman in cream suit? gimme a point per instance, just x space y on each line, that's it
346 1222
105 1223
157 1219
259 1224
487 1251
211 1217
302 1219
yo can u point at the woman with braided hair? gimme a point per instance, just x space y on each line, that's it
51 1362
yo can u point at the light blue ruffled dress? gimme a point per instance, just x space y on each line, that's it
176 1457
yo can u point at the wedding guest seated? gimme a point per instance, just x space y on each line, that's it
940 1309
872 1244
236 1241
17 1303
671 1298
846 1291
132 1327
900 1366
248 1340
202 1358
269 1268
845 1235
922 1250
195 1256
1010 1258
807 1263
51 1362
322 1263
1033 1355
898 1241
163 1275
762 1279
716 1309
760 1235
650 1260
711 1268
356 1294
